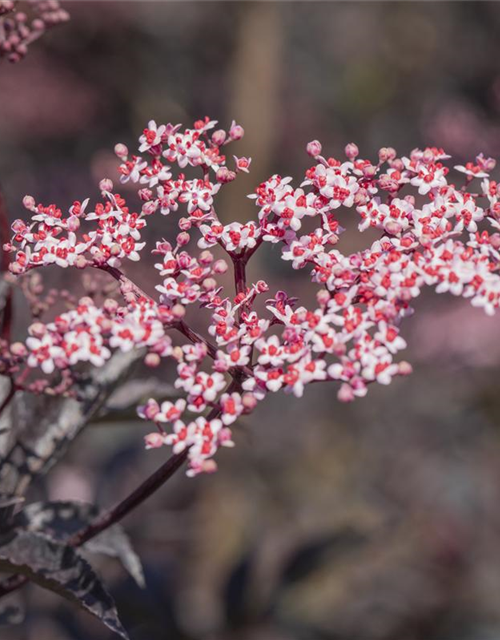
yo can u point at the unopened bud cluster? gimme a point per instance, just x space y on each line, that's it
21 23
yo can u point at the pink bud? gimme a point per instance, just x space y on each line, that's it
428 156
225 437
361 196
152 360
262 286
18 349
405 368
209 284
121 151
387 183
209 466
224 176
495 240
369 171
185 224
73 223
352 151
323 297
29 202
110 306
397 164
249 402
80 262
38 25
220 366
153 440
206 257
106 185
386 153
220 266
314 148
145 194
219 137
393 227
148 208
236 132
345 393
178 311
37 329
183 238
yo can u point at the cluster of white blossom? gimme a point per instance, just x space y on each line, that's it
432 233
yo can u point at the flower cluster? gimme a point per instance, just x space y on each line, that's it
18 30
431 232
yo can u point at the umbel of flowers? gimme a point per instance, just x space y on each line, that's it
21 23
432 232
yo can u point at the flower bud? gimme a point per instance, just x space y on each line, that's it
80 262
352 151
314 148
110 306
397 164
262 286
152 360
29 203
219 137
148 208
323 297
73 223
16 268
224 175
220 266
185 224
236 132
206 257
386 153
428 156
361 196
121 151
153 440
178 311
18 349
106 185
249 402
393 227
495 240
369 171
209 284
37 329
183 238
405 368
38 25
345 393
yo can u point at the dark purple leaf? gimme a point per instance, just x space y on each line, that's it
59 568
60 520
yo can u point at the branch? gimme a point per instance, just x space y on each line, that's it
123 508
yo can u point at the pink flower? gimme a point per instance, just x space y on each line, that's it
243 164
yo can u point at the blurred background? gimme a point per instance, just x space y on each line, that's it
378 520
